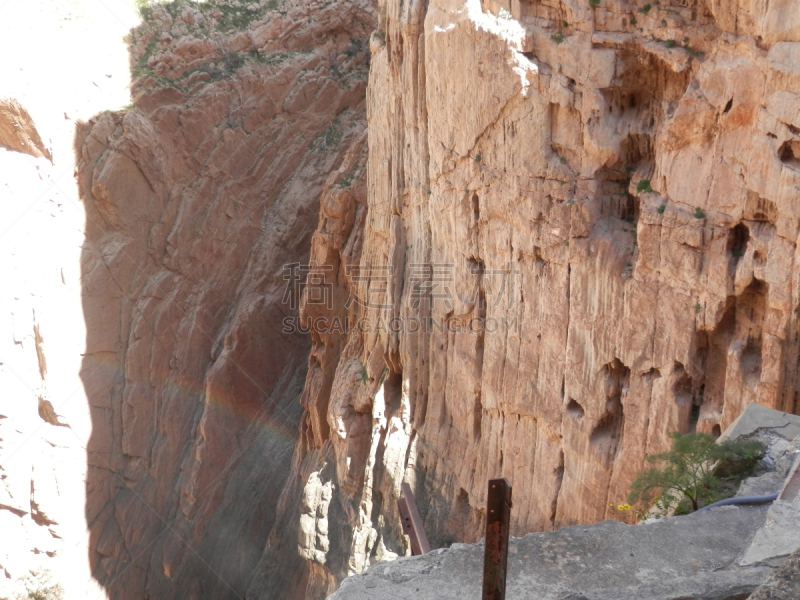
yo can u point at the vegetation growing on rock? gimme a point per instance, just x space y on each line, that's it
697 471
184 45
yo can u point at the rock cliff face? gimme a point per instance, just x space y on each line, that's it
725 552
581 235
196 198
569 230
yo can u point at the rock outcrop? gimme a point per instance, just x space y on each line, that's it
197 197
680 558
18 132
581 236
708 555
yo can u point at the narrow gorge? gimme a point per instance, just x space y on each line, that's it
331 247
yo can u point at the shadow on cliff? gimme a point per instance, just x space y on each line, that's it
196 198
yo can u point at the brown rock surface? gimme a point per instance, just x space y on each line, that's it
636 169
18 132
196 198
584 220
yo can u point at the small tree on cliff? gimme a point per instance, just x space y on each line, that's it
695 472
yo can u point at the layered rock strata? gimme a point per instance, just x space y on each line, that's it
581 236
197 197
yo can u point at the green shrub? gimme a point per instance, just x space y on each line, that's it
143 7
558 38
696 472
698 213
645 9
661 208
644 186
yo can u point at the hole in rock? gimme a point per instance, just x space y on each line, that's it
688 397
653 373
570 84
789 154
682 388
751 361
694 417
737 244
575 410
608 431
393 392
728 106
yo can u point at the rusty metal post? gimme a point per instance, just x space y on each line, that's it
498 518
412 522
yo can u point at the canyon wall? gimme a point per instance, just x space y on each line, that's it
581 236
197 196
541 234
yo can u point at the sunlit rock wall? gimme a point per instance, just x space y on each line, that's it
612 191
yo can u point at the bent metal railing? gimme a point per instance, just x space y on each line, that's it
412 522
498 518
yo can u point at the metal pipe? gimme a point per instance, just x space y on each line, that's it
742 500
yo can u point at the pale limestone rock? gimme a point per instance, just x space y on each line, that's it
51 77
